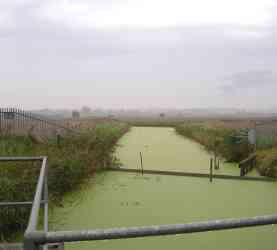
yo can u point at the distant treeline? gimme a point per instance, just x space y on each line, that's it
154 122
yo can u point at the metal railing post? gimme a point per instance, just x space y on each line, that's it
29 244
45 195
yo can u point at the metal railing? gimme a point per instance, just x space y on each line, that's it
16 121
41 192
34 238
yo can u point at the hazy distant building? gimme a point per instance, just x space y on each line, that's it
75 114
86 110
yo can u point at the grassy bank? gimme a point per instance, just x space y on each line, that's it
70 163
215 139
267 162
222 141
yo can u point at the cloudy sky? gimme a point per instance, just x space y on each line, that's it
138 53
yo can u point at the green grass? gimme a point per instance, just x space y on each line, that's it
70 164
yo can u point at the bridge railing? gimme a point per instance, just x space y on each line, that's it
34 238
40 198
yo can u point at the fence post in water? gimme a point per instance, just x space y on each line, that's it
241 169
218 164
215 160
211 170
141 164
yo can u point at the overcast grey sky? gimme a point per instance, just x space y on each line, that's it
138 53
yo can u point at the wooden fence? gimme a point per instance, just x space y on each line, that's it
19 122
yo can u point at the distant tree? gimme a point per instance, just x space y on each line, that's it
86 109
162 115
75 114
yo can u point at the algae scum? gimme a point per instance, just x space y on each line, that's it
116 199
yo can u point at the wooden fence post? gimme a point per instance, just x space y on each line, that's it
211 170
141 163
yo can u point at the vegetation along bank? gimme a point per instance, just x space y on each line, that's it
222 140
71 163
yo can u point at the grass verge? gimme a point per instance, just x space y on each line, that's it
222 141
219 140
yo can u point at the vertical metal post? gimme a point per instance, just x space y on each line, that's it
211 170
3 120
15 121
9 121
29 244
21 120
6 120
45 247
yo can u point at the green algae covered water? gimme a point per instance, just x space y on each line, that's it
163 149
116 199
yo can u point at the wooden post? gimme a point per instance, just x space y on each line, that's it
214 160
211 170
141 163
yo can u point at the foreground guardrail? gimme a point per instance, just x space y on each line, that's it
33 238
41 192
135 232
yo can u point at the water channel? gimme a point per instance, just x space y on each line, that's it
117 199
